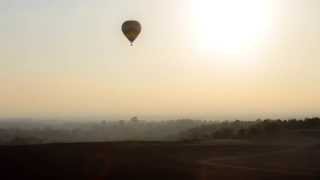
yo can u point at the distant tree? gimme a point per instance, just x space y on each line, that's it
103 123
223 133
134 119
312 122
242 133
25 140
253 132
121 122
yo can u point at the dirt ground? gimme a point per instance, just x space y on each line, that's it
160 161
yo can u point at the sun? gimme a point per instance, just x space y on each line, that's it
230 26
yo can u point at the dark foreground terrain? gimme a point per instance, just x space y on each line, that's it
160 161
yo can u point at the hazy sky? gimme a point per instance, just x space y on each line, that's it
195 58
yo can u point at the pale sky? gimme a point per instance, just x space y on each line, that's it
207 59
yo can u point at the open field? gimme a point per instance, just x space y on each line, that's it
160 160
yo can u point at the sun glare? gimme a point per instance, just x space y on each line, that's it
230 26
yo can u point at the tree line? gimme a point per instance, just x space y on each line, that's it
258 129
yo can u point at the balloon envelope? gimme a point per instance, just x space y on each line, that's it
131 29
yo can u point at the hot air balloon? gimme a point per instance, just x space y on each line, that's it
131 29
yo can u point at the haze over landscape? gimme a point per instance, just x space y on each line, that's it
195 58
160 89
